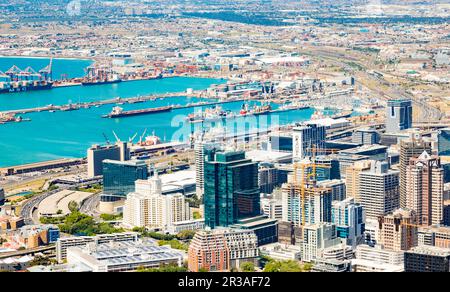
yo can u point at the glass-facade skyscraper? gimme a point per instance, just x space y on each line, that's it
444 142
231 188
119 178
399 115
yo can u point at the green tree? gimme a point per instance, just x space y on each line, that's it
172 268
186 235
283 266
174 244
73 206
247 267
41 261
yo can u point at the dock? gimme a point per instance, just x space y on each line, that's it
118 100
121 101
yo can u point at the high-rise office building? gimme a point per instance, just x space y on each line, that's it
352 178
399 115
148 207
411 147
95 156
444 142
306 138
268 177
202 149
337 186
379 190
316 238
427 259
366 137
425 189
231 189
398 231
119 178
349 219
2 197
317 204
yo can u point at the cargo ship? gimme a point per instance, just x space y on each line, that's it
15 87
118 112
217 114
100 75
100 82
17 80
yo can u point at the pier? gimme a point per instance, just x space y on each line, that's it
121 101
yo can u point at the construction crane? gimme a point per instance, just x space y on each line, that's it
310 176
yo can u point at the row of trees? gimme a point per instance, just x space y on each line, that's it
77 223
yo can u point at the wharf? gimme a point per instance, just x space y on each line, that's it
118 100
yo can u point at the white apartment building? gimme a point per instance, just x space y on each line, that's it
272 208
148 207
316 238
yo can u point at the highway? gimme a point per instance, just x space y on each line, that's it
89 206
32 251
28 208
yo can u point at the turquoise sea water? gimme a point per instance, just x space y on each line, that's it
69 134
72 67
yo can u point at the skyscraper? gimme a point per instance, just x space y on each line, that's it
352 178
411 147
307 137
425 189
399 115
231 189
337 186
95 156
398 231
201 149
366 137
349 219
317 204
119 178
317 237
444 142
379 190
2 197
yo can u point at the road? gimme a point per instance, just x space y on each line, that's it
427 113
30 205
89 206
32 251
28 208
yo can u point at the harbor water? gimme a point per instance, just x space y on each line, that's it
54 135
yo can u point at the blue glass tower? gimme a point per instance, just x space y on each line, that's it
231 188
119 178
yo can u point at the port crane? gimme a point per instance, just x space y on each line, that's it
142 136
106 139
